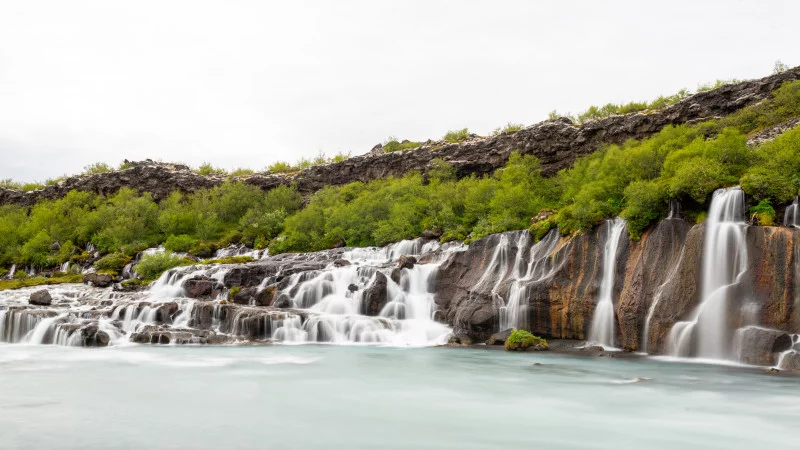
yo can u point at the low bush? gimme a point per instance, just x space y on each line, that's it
181 243
113 262
151 266
763 213
454 136
393 145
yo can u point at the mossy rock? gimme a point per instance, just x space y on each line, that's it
521 340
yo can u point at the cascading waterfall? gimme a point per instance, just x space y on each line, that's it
724 261
11 272
791 218
602 329
539 268
324 305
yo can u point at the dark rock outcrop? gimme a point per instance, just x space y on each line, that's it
499 338
41 298
556 143
657 285
375 295
98 279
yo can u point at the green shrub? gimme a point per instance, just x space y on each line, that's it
454 136
98 167
180 243
209 170
509 128
763 213
153 265
540 229
280 167
647 201
113 262
716 84
241 172
393 145
522 340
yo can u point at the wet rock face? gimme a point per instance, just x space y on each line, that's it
557 143
652 262
41 298
791 362
375 295
202 288
761 346
658 281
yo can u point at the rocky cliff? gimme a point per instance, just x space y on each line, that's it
657 284
557 143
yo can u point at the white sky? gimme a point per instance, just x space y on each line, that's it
248 83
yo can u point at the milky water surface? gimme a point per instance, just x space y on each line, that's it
287 397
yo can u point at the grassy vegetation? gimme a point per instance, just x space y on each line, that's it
151 266
393 145
634 180
454 136
509 128
230 260
39 281
305 163
522 340
113 263
763 213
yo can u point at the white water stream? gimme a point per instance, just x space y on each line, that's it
707 334
603 329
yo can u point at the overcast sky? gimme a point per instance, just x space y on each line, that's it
249 83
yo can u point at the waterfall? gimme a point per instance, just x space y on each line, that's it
602 330
791 217
724 261
322 303
515 313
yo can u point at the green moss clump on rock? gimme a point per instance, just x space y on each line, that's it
523 340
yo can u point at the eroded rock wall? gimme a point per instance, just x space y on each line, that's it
658 281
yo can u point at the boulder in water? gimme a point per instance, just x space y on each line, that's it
243 296
375 296
282 301
93 336
341 263
499 338
406 262
266 296
41 298
100 280
199 288
761 346
791 361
